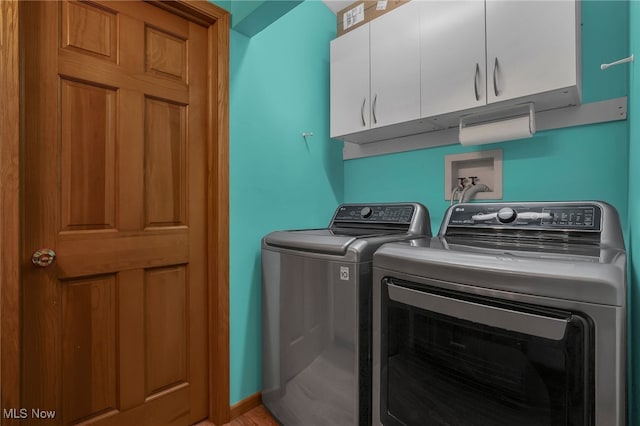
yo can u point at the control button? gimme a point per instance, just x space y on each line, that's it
483 216
366 212
535 216
506 215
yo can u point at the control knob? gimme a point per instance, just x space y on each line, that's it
506 215
366 212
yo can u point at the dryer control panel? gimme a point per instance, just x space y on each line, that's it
527 216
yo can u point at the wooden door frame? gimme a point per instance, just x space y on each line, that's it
217 21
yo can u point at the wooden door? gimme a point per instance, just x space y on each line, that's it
115 331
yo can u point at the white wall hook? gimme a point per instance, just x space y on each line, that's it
621 61
305 134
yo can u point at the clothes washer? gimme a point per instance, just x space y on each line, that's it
316 313
515 314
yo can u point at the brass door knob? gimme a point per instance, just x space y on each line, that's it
43 257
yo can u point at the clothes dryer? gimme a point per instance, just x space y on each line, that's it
515 314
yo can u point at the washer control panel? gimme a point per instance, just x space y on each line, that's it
371 213
570 216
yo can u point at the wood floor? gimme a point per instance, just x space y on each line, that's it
259 416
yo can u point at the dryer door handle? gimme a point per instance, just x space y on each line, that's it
506 319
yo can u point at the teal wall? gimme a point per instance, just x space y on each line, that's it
587 162
634 210
279 88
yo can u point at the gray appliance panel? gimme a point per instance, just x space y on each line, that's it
550 277
310 335
605 220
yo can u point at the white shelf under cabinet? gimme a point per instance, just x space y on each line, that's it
595 112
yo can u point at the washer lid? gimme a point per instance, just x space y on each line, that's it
331 241
316 240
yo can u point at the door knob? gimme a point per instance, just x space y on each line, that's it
43 257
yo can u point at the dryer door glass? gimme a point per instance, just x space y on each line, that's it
451 358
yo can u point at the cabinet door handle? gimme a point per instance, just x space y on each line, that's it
364 100
476 75
495 72
373 109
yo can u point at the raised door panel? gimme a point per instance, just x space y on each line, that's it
165 329
350 104
89 324
395 66
165 54
88 123
90 29
452 56
165 163
531 47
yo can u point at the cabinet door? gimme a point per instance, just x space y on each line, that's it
531 47
350 82
395 66
452 56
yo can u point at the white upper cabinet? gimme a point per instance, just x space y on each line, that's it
350 102
452 55
423 65
395 66
375 73
532 47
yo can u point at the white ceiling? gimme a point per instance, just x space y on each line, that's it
336 5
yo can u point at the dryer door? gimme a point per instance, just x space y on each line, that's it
451 358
